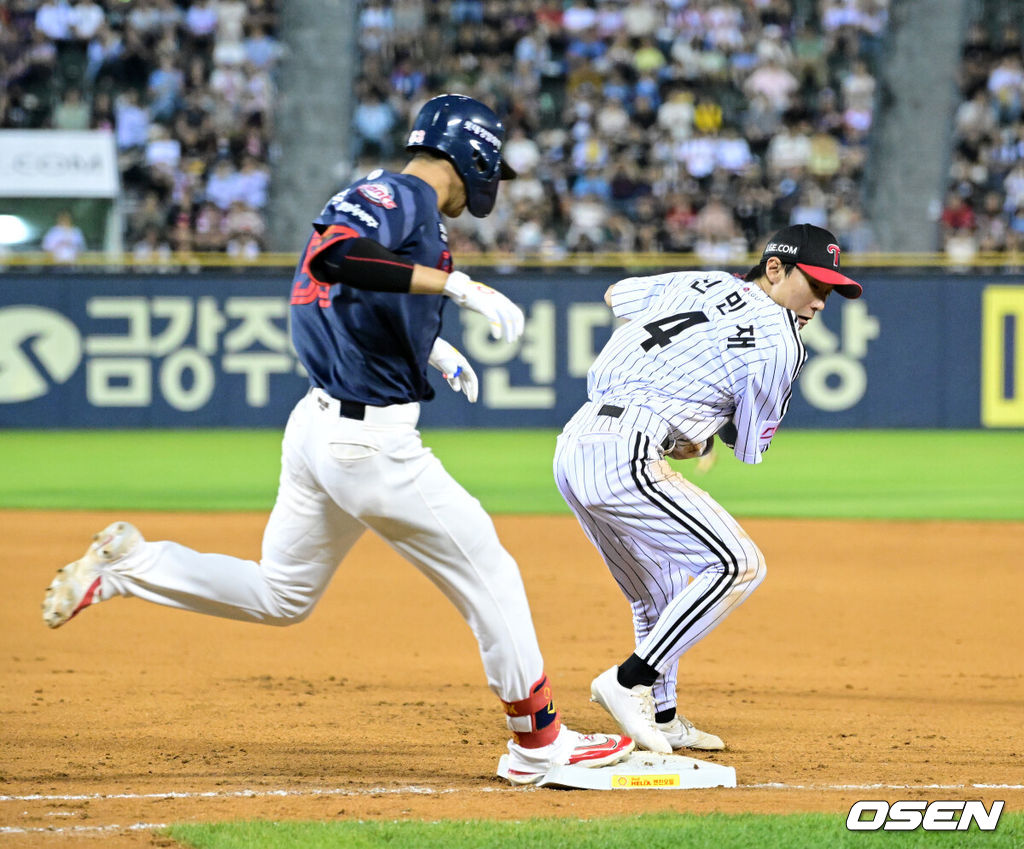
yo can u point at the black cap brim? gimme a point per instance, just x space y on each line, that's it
507 171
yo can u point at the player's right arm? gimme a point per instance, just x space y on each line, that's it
360 262
343 251
633 295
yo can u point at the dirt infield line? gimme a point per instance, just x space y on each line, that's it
85 830
426 791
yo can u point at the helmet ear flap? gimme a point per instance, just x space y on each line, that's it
480 161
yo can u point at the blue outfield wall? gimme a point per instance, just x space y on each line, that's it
90 350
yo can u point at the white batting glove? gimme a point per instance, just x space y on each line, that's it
454 368
506 319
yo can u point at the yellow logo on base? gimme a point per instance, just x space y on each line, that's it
639 782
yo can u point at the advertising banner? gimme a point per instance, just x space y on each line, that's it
58 163
88 350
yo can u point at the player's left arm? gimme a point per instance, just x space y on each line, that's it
765 389
454 368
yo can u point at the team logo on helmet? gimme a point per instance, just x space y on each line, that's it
417 136
379 194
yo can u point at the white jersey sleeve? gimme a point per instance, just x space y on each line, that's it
633 295
763 396
701 350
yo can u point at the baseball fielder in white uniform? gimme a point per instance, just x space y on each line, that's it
701 353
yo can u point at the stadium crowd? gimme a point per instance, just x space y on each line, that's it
186 88
679 125
984 204
675 125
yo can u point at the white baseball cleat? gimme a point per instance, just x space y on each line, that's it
77 585
528 766
632 708
683 734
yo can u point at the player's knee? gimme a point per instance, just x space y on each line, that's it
751 565
289 608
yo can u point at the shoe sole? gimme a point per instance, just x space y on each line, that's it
701 745
618 753
64 598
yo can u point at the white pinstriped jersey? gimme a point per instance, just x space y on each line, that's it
701 349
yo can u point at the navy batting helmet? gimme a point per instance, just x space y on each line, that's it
470 136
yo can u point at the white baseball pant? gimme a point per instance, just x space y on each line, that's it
340 476
680 559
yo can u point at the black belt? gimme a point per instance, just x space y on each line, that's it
346 409
614 412
351 410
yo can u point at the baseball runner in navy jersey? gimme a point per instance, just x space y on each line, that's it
700 354
366 306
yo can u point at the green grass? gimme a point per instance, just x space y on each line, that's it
864 474
650 831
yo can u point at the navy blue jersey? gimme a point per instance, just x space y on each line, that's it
366 346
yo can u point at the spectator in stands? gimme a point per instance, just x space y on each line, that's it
210 233
150 213
375 122
200 26
103 52
131 121
53 20
72 113
151 251
230 24
789 150
376 27
676 113
35 65
262 50
773 82
64 241
86 19
1004 84
222 184
244 222
164 89
252 182
102 114
957 213
162 158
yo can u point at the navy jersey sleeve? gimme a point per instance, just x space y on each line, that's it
373 210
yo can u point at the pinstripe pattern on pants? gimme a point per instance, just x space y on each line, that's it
680 559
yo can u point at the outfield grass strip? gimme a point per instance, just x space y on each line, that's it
650 831
806 474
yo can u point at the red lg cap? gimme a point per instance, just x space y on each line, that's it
814 251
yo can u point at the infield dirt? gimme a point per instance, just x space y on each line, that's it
880 653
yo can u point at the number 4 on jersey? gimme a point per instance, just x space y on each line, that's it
665 329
